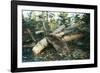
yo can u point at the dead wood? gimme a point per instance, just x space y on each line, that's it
58 43
40 46
72 37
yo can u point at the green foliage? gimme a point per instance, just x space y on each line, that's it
63 18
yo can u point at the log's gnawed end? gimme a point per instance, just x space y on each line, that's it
40 46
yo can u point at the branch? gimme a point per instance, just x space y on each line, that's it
29 45
30 33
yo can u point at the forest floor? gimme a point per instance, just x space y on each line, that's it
50 54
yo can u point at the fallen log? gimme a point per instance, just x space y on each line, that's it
61 42
67 32
59 29
40 46
72 37
43 43
57 33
